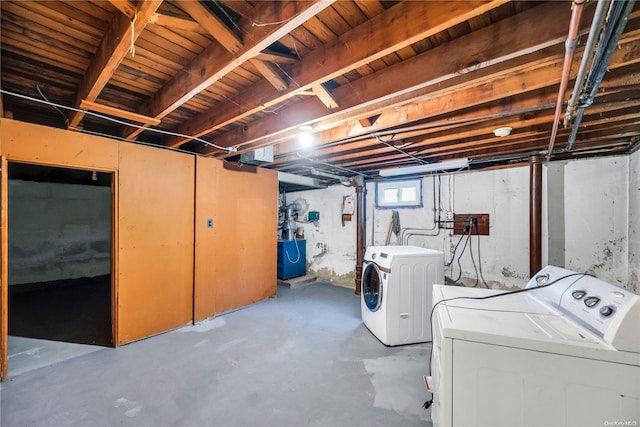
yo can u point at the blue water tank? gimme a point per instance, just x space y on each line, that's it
292 258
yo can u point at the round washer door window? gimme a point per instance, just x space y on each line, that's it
372 287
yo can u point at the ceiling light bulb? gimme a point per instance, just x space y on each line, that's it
304 137
502 131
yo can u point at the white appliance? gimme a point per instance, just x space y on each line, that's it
397 286
566 354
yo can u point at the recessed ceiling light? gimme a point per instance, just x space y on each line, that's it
502 131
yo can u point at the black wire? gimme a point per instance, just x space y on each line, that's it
428 403
468 234
484 282
453 257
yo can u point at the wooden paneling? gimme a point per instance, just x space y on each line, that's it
204 299
31 143
4 274
236 259
156 214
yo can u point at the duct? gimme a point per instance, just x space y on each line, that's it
570 47
587 57
614 26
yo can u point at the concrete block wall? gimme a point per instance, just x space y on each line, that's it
595 213
590 211
58 231
633 283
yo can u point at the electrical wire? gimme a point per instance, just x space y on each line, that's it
66 119
428 403
479 261
473 261
121 122
295 241
460 256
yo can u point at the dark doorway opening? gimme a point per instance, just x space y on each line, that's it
60 254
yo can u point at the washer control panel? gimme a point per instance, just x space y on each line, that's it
610 311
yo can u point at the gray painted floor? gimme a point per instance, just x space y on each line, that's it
304 358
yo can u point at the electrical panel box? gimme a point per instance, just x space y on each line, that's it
313 216
258 156
479 228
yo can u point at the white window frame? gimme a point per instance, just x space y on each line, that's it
399 185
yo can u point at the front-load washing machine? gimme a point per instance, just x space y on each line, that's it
397 284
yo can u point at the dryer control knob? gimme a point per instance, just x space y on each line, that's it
591 301
607 310
578 294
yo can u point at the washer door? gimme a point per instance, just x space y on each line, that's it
372 286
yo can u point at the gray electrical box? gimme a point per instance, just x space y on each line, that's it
258 156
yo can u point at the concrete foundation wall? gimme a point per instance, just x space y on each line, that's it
595 214
590 211
58 231
633 283
331 247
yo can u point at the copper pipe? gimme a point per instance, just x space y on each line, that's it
360 229
570 48
535 215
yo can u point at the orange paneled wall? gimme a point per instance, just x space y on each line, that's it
236 258
155 233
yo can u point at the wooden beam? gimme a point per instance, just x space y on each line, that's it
270 73
460 58
372 92
117 112
128 8
215 62
113 48
175 22
324 96
396 28
211 23
448 98
277 57
366 122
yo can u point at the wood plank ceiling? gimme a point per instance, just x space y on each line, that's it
380 84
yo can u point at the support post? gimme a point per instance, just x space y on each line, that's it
360 230
535 215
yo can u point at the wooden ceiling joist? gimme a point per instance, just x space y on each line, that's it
115 45
397 27
117 112
428 69
216 62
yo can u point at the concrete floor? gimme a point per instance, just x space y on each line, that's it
304 358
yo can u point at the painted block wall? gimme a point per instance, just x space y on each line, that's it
633 283
592 203
58 231
589 208
503 194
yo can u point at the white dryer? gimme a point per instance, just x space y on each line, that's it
566 354
397 284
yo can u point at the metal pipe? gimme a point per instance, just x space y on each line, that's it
587 57
570 47
360 229
617 20
535 215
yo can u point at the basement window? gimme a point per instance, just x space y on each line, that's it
399 194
